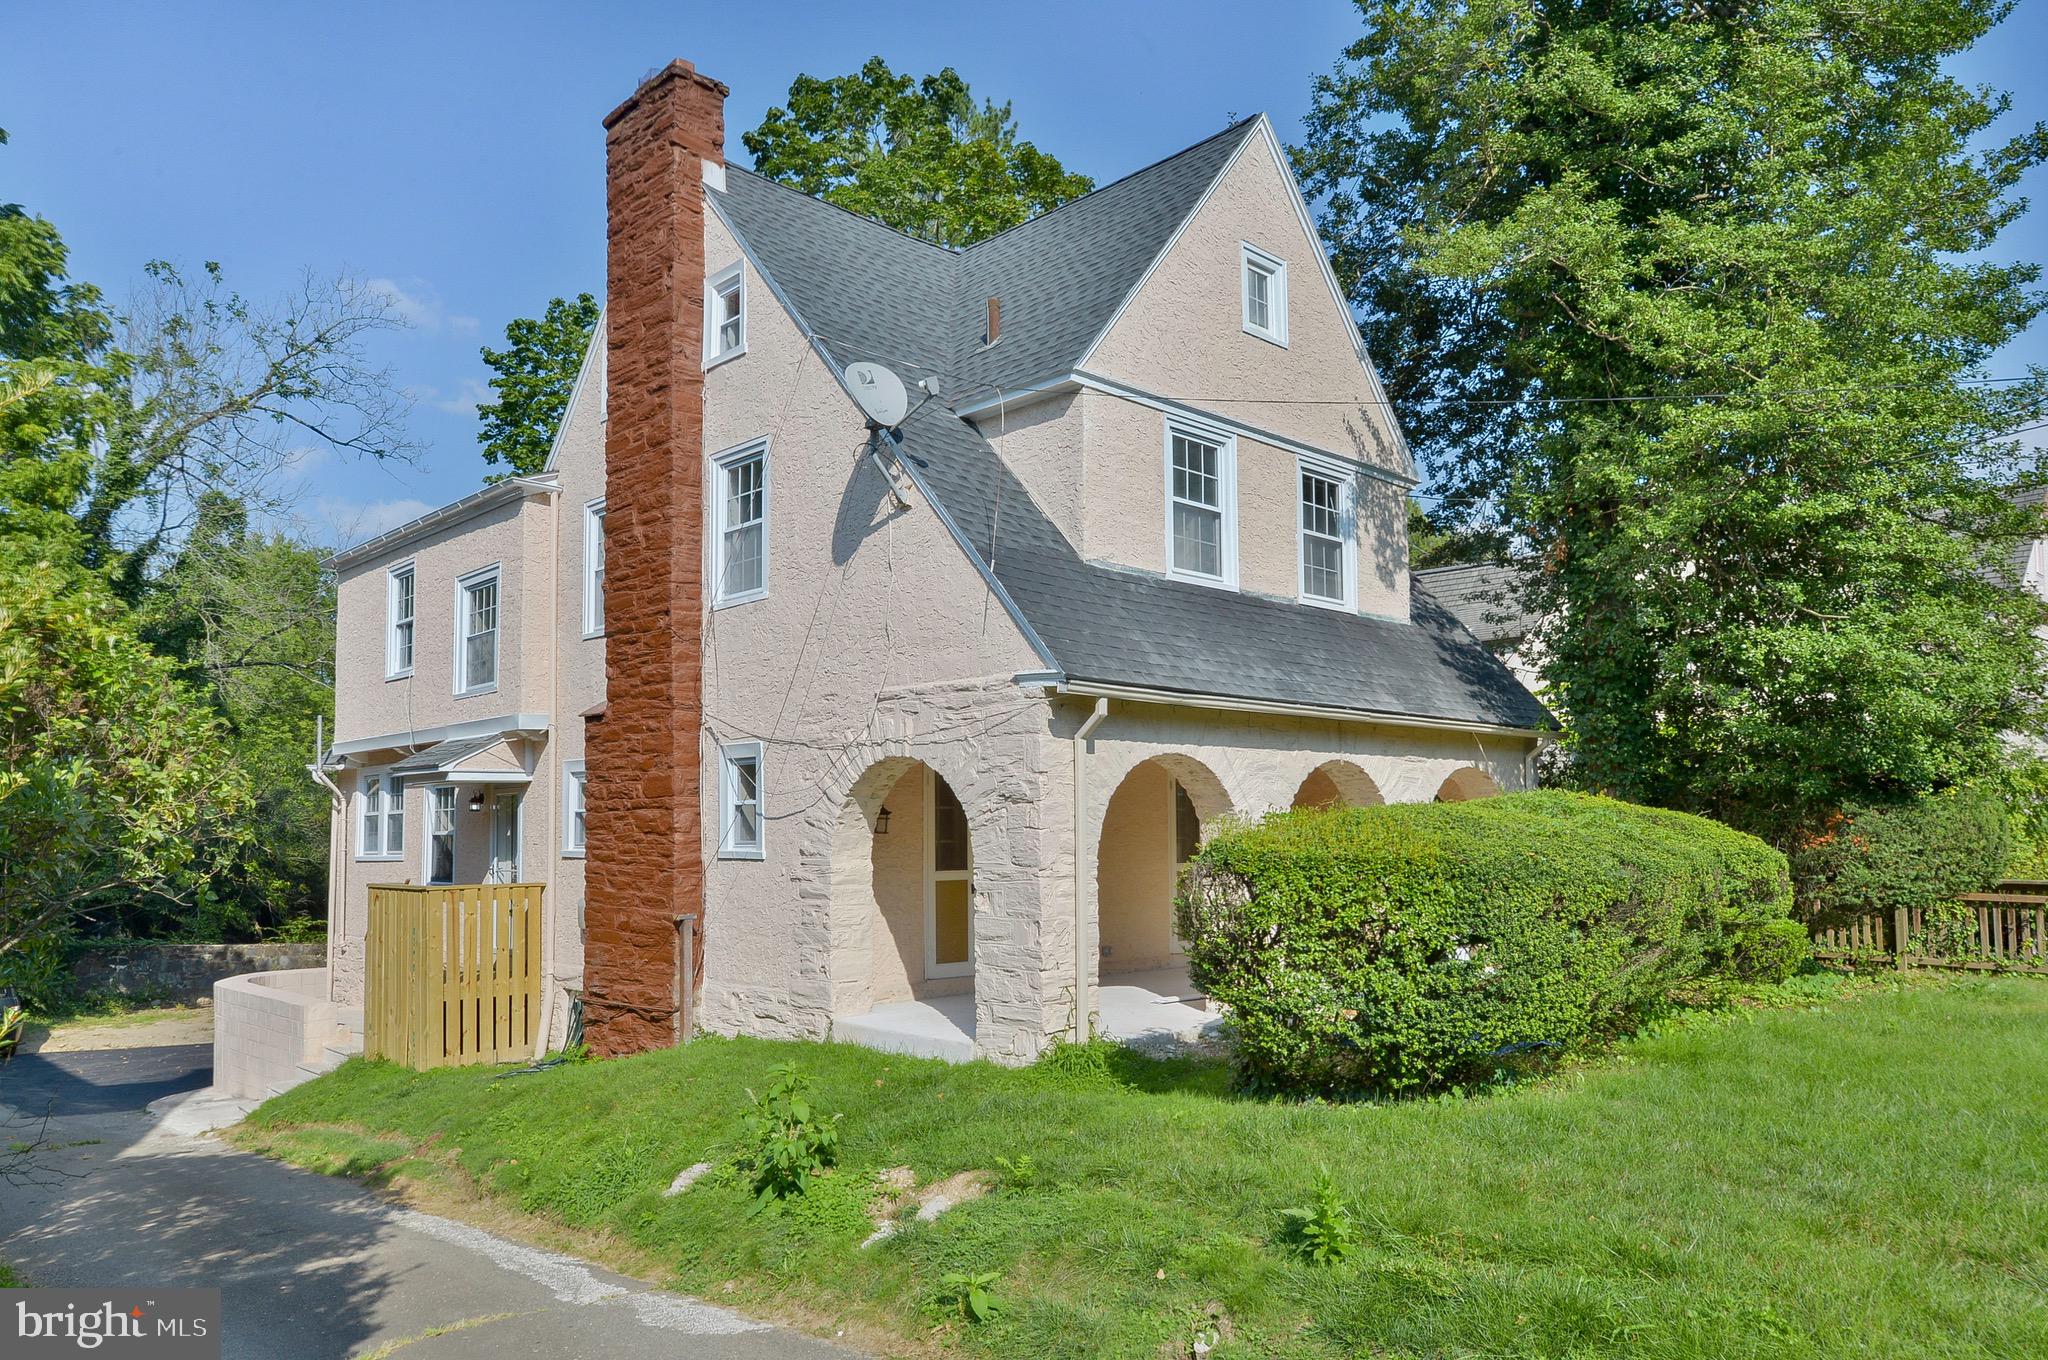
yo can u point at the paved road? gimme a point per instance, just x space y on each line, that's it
309 1267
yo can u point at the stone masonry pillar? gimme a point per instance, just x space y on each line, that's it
645 865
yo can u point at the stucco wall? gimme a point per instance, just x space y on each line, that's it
265 1025
1183 335
866 604
1134 871
578 676
516 537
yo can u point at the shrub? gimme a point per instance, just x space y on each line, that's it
1421 945
784 1139
1917 854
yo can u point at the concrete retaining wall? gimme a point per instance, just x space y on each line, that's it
184 973
265 1025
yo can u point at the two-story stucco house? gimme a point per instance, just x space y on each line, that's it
912 726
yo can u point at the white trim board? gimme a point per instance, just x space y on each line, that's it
1080 380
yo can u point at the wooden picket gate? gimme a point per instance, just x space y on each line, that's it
453 974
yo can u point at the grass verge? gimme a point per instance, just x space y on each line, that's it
1865 1175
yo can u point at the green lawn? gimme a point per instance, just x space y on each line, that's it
1867 1177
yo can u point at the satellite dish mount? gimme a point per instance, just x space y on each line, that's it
885 403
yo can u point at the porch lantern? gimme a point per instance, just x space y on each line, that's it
882 821
476 801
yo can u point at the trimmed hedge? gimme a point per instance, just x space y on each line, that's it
1922 853
1423 945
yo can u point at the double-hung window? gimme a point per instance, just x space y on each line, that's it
575 808
593 568
476 632
1265 295
398 597
740 493
725 321
1201 515
740 801
441 834
1325 548
381 833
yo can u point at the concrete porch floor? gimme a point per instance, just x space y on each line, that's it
1152 1010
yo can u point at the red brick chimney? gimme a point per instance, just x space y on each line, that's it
645 865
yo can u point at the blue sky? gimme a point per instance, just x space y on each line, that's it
452 151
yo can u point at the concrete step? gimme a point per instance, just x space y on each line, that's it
350 1018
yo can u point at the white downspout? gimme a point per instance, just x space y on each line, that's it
337 830
1081 734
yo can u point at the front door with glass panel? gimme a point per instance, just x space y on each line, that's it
948 884
504 839
1187 838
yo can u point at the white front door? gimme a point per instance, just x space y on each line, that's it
504 839
948 884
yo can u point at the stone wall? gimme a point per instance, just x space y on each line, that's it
184 973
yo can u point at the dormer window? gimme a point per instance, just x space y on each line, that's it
725 321
1265 295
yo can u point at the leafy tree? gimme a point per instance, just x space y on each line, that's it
1691 299
249 615
919 155
113 778
135 448
536 371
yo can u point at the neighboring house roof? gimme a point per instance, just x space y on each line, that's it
2023 552
1484 597
864 291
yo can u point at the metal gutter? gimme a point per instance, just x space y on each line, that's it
504 725
1276 708
476 502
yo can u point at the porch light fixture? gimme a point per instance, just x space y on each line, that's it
882 822
476 801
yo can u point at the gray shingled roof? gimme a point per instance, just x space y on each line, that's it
444 755
867 292
1483 597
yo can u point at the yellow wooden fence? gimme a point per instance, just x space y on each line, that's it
453 973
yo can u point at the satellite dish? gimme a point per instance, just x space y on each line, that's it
880 394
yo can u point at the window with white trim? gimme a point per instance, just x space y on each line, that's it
593 568
399 604
476 632
440 866
380 804
1325 547
1265 294
1200 505
575 808
725 319
740 492
739 835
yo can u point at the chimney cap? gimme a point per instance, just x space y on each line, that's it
675 70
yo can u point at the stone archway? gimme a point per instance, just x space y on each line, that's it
900 890
1466 784
1337 783
1151 823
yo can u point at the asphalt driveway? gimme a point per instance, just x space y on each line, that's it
309 1267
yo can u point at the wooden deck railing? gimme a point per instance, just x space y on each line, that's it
453 974
2010 931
